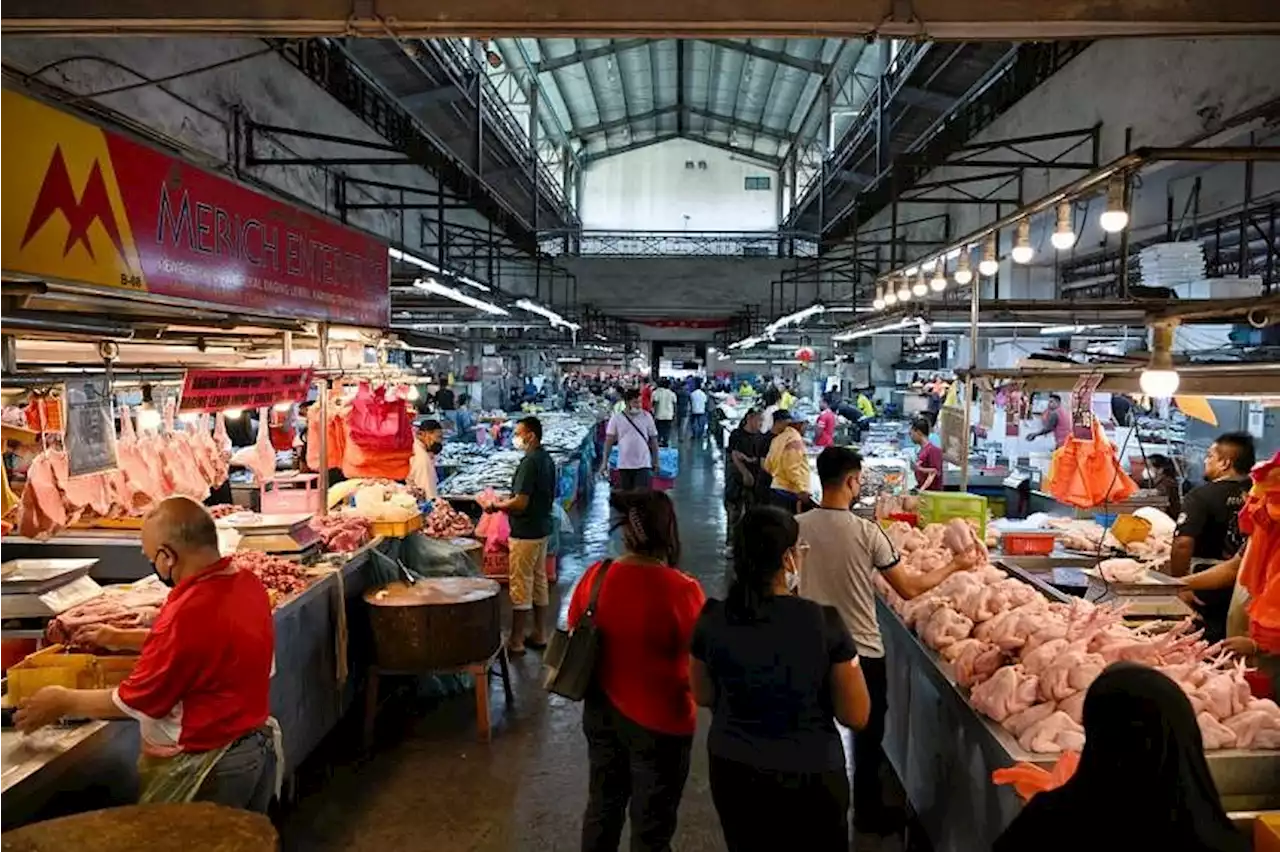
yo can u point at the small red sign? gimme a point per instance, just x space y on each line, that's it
216 390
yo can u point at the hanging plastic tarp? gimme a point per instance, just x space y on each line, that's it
1086 472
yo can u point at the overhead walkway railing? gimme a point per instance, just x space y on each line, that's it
763 244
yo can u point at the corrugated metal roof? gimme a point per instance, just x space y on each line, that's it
753 96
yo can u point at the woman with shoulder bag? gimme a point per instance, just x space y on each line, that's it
639 717
778 671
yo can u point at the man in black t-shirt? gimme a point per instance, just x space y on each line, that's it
747 447
1209 527
533 494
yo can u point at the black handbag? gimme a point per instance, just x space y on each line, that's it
569 662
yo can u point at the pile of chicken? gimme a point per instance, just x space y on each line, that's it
1089 537
1028 662
176 461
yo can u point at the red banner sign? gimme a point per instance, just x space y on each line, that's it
87 205
216 390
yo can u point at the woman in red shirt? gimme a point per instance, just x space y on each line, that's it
640 718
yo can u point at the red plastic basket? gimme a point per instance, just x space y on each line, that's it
1027 544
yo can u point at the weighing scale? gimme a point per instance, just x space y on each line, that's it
286 536
44 588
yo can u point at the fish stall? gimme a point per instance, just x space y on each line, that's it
983 677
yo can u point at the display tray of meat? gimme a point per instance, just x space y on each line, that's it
282 577
1027 663
446 522
127 606
342 533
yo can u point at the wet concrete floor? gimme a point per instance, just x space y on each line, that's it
429 784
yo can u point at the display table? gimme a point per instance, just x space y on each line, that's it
93 764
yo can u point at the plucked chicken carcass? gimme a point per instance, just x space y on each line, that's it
1055 733
1122 570
973 661
1215 734
1018 723
1257 726
945 627
1010 690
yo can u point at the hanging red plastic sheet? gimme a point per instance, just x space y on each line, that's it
1260 569
378 423
1086 472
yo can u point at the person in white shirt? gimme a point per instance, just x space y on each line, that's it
698 412
664 410
846 552
422 467
635 434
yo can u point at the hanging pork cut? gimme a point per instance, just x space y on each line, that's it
260 458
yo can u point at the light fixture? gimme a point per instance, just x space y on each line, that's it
794 318
431 285
148 417
1160 379
879 302
920 289
233 413
283 406
890 294
938 282
747 342
411 259
893 325
552 317
904 289
1022 250
964 274
1115 217
1064 234
1067 329
989 266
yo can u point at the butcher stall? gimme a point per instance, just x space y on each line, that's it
989 669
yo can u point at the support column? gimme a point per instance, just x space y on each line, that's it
533 151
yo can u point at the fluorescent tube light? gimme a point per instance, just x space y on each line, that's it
430 285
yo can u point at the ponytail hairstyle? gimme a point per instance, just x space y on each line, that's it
764 536
648 523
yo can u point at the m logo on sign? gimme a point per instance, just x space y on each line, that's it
58 196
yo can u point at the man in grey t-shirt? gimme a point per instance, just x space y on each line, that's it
845 553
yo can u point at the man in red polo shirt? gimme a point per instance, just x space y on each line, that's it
201 687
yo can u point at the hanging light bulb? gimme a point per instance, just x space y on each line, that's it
1022 250
1160 379
890 295
148 417
938 282
989 266
1115 217
920 289
964 274
904 289
1064 234
233 413
878 304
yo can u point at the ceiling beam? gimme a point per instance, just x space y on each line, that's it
741 151
933 101
629 147
964 20
578 56
813 66
776 134
680 50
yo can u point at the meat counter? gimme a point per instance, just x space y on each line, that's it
94 764
944 752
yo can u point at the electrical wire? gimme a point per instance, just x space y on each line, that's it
145 81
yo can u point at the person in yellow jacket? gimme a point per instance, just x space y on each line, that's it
787 399
788 464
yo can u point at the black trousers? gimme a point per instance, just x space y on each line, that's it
664 431
765 811
868 751
630 765
635 479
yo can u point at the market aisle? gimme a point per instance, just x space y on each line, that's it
430 784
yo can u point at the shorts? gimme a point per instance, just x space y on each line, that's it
527 570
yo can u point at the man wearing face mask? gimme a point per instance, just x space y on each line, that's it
201 687
846 552
533 494
422 469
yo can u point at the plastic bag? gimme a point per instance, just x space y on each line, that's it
1028 779
429 557
497 533
378 424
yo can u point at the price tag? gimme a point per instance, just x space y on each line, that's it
90 431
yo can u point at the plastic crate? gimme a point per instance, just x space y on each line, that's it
298 494
51 667
938 507
1130 528
1027 544
112 670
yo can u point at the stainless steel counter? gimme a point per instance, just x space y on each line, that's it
944 752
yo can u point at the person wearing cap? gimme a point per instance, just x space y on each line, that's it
422 468
788 464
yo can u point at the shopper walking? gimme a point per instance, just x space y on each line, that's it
928 467
682 411
746 449
664 411
533 493
846 553
640 718
1138 724
634 432
825 431
698 411
777 671
788 464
